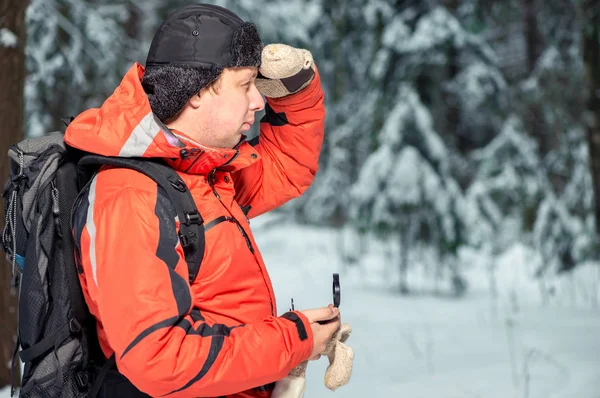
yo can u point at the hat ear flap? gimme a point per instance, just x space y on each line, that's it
246 46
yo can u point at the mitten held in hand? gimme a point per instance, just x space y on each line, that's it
340 358
337 374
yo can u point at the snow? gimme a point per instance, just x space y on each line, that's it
298 18
8 38
404 185
511 142
396 32
428 345
433 30
477 83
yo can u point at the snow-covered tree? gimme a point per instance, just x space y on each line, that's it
511 96
565 223
344 40
445 62
508 186
76 52
557 235
551 99
405 190
328 201
453 71
434 82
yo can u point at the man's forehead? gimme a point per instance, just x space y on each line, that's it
244 72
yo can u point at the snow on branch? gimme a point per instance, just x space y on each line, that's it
8 38
439 27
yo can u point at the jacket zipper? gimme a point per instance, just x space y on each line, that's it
211 183
216 221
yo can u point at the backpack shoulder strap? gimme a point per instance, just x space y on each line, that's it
191 230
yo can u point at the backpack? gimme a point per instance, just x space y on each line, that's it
56 337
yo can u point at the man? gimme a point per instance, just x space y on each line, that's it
219 335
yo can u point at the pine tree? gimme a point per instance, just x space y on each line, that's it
405 191
590 37
344 39
508 187
564 231
76 55
443 70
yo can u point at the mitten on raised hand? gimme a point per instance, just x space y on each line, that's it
284 70
340 358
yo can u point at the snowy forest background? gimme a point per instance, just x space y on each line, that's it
456 129
450 124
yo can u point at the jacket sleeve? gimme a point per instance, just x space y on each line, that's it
289 145
136 276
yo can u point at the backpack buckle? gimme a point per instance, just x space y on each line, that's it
74 325
193 218
187 239
82 379
178 185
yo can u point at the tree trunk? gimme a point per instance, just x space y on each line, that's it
532 34
533 117
133 25
591 58
403 260
451 129
12 65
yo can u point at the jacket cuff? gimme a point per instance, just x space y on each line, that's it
305 98
303 333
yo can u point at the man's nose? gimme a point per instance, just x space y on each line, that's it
257 103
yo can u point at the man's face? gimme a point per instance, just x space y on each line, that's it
226 111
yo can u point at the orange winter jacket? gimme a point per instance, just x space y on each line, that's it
219 336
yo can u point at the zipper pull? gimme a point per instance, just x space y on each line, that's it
56 210
211 182
55 204
15 280
211 177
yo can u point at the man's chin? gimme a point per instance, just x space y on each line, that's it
240 137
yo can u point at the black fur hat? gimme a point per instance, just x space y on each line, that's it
190 50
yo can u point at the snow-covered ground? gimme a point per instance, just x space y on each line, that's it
423 345
523 344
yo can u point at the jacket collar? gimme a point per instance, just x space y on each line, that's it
197 159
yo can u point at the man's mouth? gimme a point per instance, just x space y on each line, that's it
247 124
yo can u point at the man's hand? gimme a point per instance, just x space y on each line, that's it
325 322
284 70
322 332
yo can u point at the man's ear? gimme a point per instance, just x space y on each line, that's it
196 99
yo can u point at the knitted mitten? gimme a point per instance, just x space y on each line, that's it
340 358
284 70
337 374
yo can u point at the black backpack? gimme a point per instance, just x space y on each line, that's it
57 339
